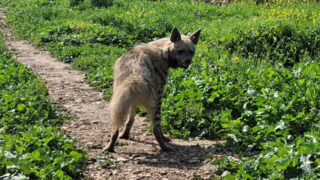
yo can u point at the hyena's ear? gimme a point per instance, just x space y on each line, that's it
195 36
175 35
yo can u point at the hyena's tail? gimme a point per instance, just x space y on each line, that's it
126 97
120 104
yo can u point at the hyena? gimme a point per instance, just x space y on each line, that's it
140 76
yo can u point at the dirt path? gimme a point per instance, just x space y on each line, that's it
137 158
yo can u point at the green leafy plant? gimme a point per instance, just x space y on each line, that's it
75 2
253 81
102 3
31 144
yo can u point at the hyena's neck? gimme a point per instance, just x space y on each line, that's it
164 60
161 69
163 55
170 58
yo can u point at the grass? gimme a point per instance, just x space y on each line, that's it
32 146
254 78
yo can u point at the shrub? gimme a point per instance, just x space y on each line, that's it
75 2
102 3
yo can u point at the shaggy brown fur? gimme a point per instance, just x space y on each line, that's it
140 76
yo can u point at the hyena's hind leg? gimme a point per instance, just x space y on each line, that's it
114 137
120 105
126 131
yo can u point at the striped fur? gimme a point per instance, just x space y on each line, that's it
140 77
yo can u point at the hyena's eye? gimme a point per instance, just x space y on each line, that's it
191 52
180 52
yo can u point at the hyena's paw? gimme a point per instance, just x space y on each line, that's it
165 139
124 135
108 148
167 148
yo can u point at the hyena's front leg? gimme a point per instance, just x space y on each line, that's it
158 134
156 120
126 131
152 107
159 110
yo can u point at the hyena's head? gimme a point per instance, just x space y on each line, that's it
183 48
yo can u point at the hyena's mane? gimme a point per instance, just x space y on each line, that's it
137 61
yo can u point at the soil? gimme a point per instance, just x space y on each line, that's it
139 157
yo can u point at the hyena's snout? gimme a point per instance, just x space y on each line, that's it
187 62
185 57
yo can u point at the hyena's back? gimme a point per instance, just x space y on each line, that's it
133 82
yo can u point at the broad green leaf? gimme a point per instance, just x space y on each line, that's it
60 174
35 154
21 107
47 140
299 142
280 125
240 156
76 155
42 173
308 147
255 129
282 163
27 137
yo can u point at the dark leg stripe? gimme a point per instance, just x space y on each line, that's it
153 65
147 64
164 72
160 75
150 88
157 113
157 119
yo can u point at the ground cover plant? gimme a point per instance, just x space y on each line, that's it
32 146
254 80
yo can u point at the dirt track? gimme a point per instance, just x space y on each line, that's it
137 158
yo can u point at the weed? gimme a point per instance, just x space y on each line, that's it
32 143
13 49
75 2
254 80
102 3
118 143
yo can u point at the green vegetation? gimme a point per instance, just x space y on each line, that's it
32 146
254 80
